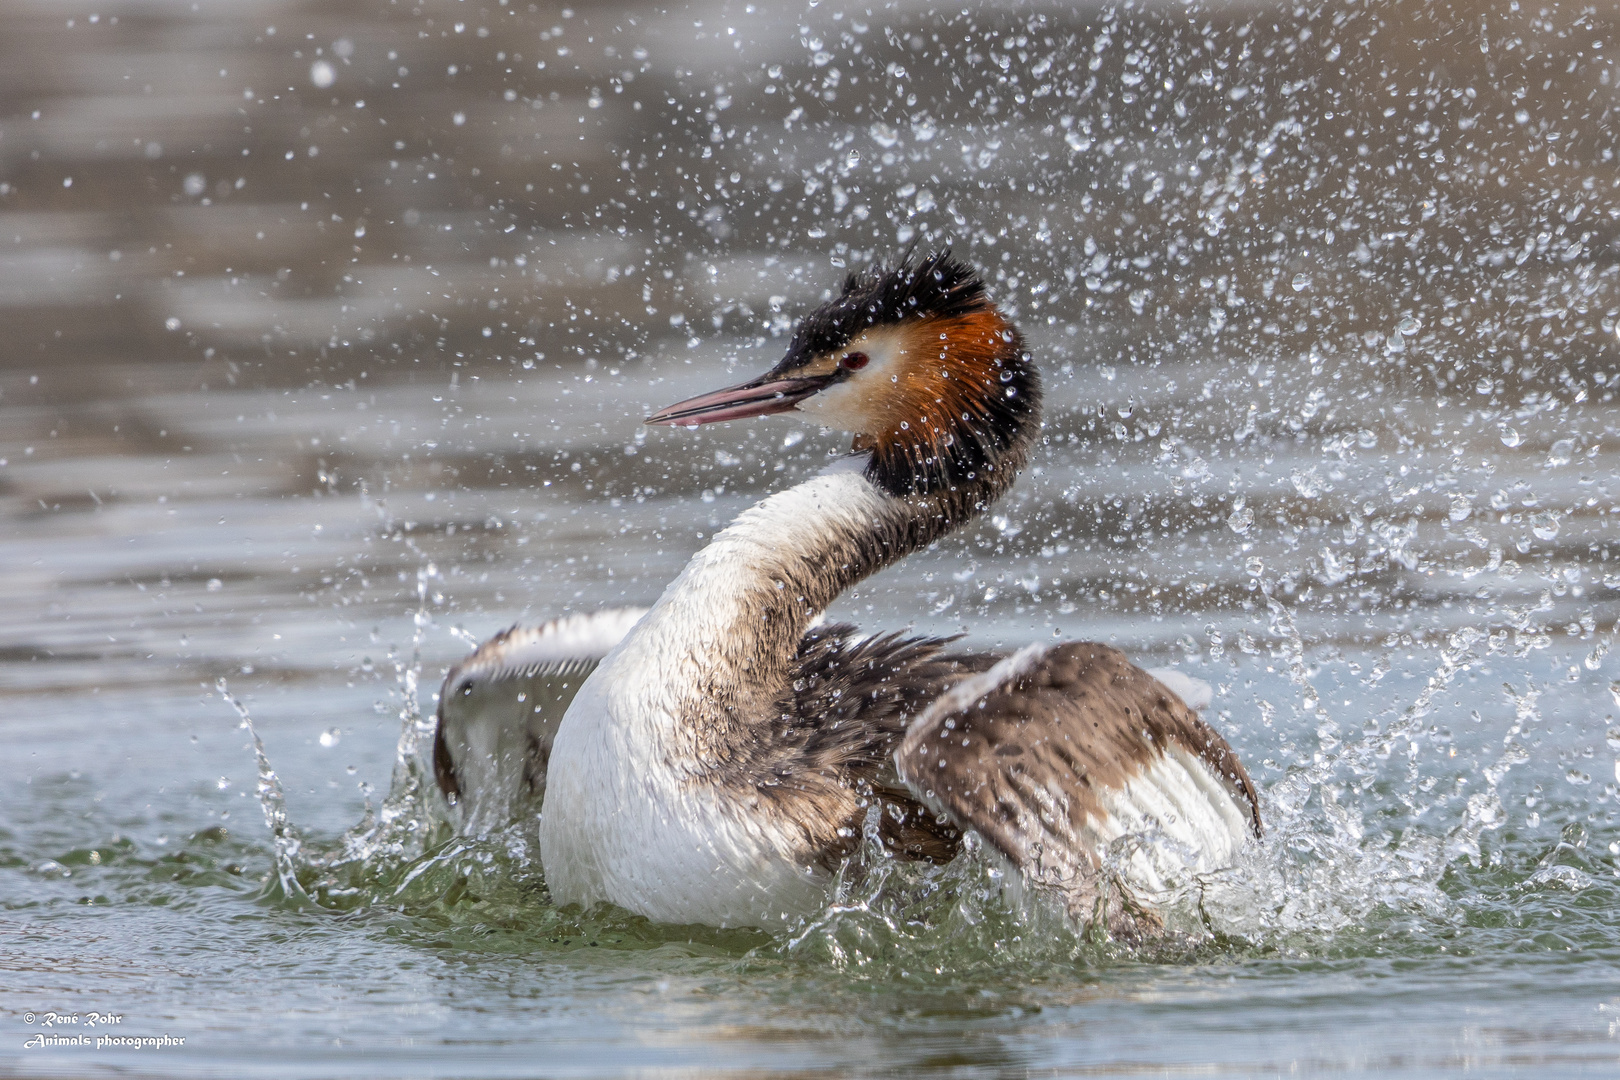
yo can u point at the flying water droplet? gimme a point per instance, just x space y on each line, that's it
1306 482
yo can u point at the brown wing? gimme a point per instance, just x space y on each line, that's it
1053 754
500 707
850 704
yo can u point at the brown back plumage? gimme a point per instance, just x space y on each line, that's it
829 756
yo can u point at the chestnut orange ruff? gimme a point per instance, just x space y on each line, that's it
957 407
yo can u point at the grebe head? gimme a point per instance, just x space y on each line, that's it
915 361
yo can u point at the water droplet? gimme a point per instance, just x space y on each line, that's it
1511 437
1544 525
331 737
1302 282
1561 452
1306 482
322 74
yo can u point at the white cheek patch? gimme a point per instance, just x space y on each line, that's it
856 404
838 407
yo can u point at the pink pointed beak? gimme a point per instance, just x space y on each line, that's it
761 397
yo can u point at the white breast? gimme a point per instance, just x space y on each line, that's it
622 827
625 819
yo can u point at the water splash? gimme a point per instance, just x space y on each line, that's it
1323 866
411 821
891 918
288 845
1358 833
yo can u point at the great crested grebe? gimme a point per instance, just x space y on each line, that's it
726 751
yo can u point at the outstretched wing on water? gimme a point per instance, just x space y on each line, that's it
499 710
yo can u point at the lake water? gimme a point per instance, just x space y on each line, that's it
328 329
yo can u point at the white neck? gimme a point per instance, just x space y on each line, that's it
650 793
719 643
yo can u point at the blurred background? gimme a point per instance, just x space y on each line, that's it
298 298
325 334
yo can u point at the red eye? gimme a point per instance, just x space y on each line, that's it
854 361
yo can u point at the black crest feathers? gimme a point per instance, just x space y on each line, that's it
937 286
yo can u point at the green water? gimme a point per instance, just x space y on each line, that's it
137 885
